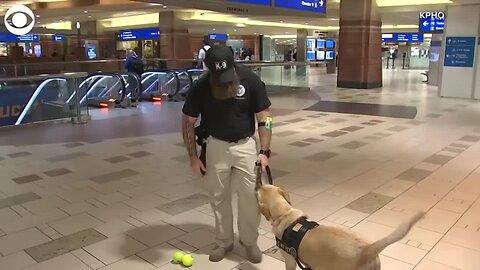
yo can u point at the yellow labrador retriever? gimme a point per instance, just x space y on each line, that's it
324 247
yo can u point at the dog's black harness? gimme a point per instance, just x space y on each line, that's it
294 234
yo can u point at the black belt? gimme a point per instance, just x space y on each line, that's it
233 140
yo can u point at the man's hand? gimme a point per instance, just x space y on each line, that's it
263 160
197 166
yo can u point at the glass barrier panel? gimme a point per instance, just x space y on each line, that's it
37 99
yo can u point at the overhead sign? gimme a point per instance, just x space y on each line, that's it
139 34
221 37
319 6
402 37
432 22
9 37
254 2
58 38
28 38
460 51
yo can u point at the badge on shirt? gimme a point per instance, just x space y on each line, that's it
241 91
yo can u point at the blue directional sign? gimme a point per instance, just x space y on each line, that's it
254 2
8 37
29 38
221 37
58 38
319 6
402 37
432 22
139 34
460 51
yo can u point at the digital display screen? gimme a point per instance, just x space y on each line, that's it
218 37
92 51
321 43
311 44
330 44
402 37
139 34
319 6
330 55
58 38
37 50
254 2
320 55
311 55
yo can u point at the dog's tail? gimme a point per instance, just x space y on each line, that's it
374 249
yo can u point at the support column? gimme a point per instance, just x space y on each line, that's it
360 41
175 40
460 72
302 45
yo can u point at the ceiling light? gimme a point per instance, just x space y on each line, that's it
38 16
164 6
241 25
281 21
235 30
85 11
214 29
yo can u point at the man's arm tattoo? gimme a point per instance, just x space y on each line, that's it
188 128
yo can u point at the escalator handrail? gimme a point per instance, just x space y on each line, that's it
123 87
190 79
34 97
137 79
91 76
165 72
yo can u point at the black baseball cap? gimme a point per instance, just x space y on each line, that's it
221 64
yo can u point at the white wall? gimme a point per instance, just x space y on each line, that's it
459 82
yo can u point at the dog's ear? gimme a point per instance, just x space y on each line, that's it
265 211
285 195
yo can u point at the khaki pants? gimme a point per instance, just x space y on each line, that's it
231 168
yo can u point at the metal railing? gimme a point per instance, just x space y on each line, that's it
32 99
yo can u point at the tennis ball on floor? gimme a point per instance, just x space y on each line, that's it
178 257
187 260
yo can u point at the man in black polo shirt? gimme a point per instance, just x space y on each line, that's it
228 99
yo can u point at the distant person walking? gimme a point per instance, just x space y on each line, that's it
202 53
134 64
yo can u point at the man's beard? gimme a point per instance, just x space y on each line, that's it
224 91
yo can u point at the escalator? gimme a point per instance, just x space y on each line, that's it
104 90
159 85
168 85
40 99
133 87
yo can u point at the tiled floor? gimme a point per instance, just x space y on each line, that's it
117 193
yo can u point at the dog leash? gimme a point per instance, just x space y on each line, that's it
280 243
259 181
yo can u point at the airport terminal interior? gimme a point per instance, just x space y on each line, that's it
376 116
